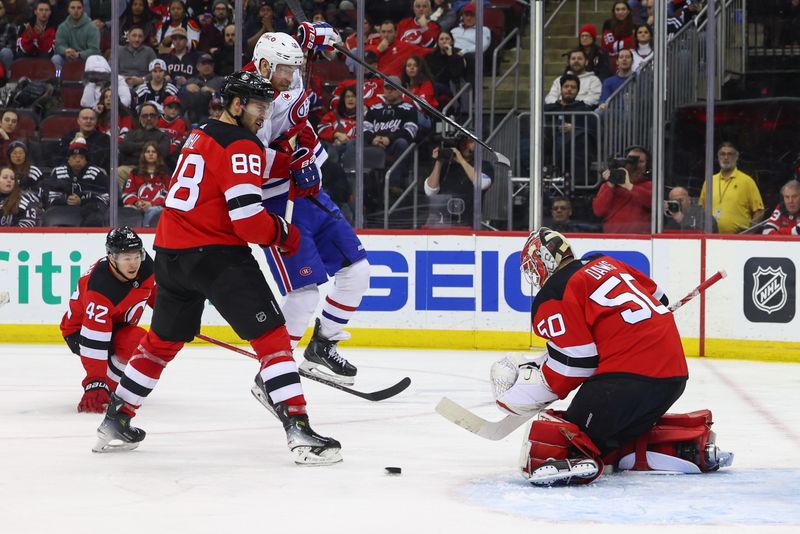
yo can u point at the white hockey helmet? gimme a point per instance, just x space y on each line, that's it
278 49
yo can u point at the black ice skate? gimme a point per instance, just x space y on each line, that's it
307 447
322 359
115 433
562 472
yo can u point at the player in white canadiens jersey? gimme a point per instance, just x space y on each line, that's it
329 245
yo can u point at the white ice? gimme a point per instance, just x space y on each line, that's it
215 461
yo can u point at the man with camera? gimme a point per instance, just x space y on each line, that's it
682 216
624 198
454 176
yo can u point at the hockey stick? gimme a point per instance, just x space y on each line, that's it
496 430
374 396
297 10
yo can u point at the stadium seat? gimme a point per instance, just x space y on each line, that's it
62 216
72 71
55 126
127 216
27 124
71 96
33 68
331 72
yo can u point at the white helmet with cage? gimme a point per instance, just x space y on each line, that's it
278 49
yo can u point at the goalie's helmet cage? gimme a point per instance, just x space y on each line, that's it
123 239
542 254
246 85
278 49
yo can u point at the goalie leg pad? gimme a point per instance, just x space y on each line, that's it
557 451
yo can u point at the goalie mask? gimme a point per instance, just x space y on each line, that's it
543 252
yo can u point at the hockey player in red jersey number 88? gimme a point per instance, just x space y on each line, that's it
330 247
213 210
100 324
610 334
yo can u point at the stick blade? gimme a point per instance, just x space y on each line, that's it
493 430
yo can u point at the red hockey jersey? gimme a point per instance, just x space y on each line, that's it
102 304
215 193
782 222
603 316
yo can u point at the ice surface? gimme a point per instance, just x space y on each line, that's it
215 461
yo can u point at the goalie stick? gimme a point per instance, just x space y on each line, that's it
374 396
496 430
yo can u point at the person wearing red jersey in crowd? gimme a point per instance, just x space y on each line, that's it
371 36
103 110
373 84
617 33
37 37
213 210
100 325
172 123
625 204
417 78
392 53
146 188
610 335
337 129
419 30
785 219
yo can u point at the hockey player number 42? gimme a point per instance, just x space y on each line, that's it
644 306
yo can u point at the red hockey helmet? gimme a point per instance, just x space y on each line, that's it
542 254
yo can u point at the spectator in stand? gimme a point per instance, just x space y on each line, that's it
392 54
392 125
451 184
18 207
624 71
181 61
466 38
372 36
565 130
135 58
683 11
417 79
38 35
29 176
8 133
97 143
596 56
444 15
96 76
735 208
213 26
373 85
103 110
77 38
139 15
447 65
173 124
198 89
157 89
642 46
178 20
18 11
419 30
785 219
223 56
8 41
617 33
590 85
682 216
132 145
215 108
147 185
561 218
79 184
388 9
638 11
626 207
264 23
337 129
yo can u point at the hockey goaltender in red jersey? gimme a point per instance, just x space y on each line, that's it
100 325
212 211
610 334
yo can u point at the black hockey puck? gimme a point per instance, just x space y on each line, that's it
393 470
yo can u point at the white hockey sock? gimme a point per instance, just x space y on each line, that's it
349 285
298 307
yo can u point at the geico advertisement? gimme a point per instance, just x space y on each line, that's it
417 281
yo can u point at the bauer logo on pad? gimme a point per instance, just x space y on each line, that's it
769 290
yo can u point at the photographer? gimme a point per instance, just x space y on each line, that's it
453 175
624 198
682 216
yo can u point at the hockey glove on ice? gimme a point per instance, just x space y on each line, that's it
287 236
95 396
317 36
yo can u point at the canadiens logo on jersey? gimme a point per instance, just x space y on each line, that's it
769 285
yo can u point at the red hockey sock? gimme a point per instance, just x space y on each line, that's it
279 370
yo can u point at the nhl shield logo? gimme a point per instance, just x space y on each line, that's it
769 289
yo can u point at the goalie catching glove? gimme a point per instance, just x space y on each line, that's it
317 36
287 236
518 385
95 396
